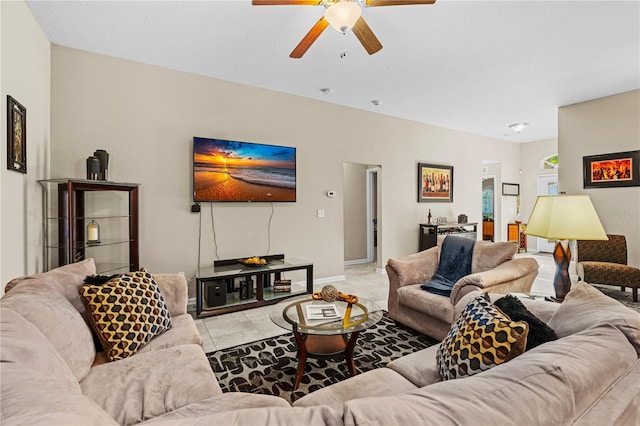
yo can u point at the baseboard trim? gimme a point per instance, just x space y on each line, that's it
327 280
355 262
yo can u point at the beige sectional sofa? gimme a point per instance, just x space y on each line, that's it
493 270
48 376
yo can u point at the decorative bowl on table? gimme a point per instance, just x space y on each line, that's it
254 262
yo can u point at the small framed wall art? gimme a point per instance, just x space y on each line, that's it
615 170
16 136
435 183
510 189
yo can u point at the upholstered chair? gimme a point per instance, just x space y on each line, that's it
605 262
494 269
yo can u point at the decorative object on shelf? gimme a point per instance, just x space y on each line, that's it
282 286
246 288
16 136
103 158
435 183
93 233
462 218
563 218
615 170
510 189
255 261
429 217
93 168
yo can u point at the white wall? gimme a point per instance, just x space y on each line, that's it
25 75
601 126
532 153
145 117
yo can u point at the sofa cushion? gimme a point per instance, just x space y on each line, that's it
585 306
126 312
377 382
183 331
150 384
60 322
230 401
487 255
481 338
419 368
282 416
23 343
66 279
33 398
539 332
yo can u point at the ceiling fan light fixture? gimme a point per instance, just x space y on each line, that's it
518 127
342 16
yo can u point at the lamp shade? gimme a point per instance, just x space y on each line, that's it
565 217
343 15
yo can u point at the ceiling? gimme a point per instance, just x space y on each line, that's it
475 66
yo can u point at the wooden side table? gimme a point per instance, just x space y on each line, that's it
515 232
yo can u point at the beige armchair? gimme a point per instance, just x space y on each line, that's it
493 270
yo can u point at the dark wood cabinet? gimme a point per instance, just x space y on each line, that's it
515 232
68 211
429 232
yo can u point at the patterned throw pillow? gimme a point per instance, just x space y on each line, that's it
482 337
126 312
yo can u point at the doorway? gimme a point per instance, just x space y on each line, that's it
488 206
547 185
361 210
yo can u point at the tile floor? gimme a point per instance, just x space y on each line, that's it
224 331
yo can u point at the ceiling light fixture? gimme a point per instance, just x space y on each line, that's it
518 127
342 16
376 102
326 90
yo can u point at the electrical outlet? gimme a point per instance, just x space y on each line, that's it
320 213
181 273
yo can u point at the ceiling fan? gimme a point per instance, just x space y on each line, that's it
343 15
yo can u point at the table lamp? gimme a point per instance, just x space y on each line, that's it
563 218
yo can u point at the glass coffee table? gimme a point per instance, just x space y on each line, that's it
329 336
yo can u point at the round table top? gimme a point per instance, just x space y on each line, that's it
293 314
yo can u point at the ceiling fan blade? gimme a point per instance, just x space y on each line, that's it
286 2
308 40
366 36
375 3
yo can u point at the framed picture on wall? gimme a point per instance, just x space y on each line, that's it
16 136
435 183
615 170
510 189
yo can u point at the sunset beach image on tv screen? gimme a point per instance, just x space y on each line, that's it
226 170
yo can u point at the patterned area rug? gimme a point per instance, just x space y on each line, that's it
269 366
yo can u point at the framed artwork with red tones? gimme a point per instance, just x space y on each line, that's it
615 170
435 183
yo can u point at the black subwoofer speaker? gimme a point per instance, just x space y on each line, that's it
215 293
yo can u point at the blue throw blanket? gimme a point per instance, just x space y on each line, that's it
455 262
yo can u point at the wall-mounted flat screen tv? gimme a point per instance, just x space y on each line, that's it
225 170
